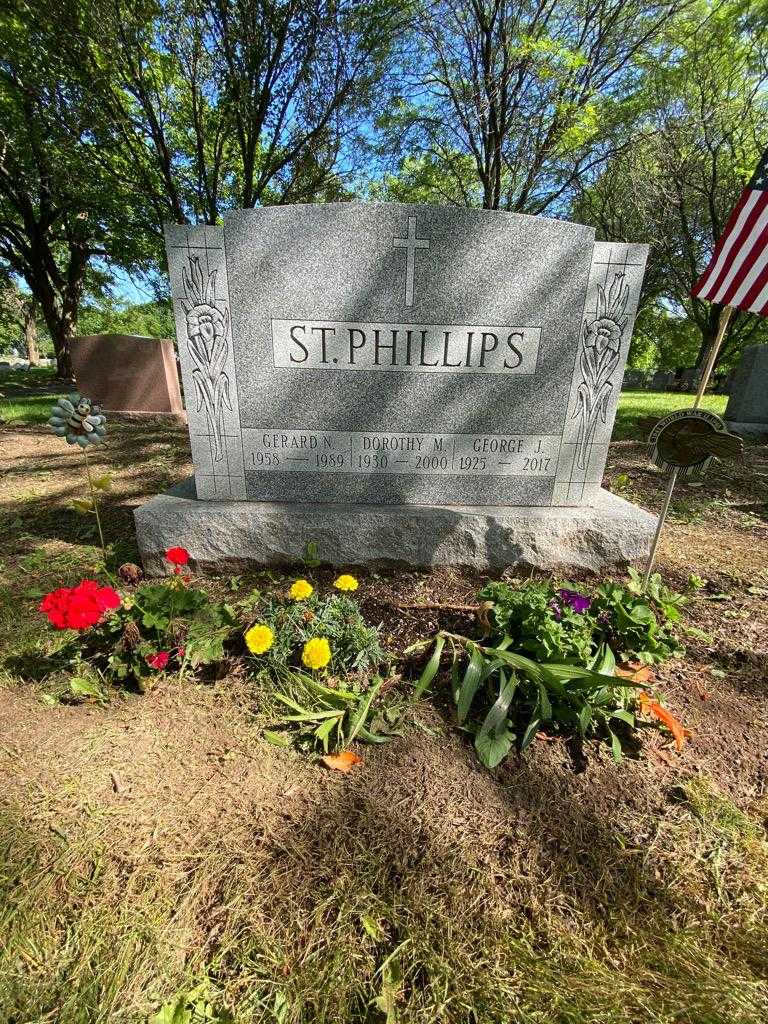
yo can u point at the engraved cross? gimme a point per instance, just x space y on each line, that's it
410 244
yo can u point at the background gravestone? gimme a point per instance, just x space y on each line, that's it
662 380
128 374
747 409
344 358
635 379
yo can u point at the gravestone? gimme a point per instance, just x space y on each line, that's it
399 383
662 380
747 409
128 374
635 379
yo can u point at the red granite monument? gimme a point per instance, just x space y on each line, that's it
128 374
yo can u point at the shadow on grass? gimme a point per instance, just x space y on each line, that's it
485 895
423 883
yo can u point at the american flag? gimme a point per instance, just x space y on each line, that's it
738 273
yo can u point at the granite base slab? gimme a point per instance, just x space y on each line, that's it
237 533
749 431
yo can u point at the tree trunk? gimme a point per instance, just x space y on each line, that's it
30 337
708 335
59 308
63 348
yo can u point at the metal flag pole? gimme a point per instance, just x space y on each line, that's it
722 327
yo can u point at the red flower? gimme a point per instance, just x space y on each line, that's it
180 651
78 607
177 556
159 660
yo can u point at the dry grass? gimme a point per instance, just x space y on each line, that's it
153 844
310 908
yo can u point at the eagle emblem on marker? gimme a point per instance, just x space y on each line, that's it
688 440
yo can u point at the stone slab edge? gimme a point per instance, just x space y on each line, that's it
749 431
225 533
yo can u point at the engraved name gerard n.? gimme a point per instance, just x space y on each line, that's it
420 348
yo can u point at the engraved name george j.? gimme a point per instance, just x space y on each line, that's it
419 348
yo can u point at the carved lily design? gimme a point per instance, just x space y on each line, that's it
207 330
600 351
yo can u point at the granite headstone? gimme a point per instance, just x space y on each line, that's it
128 374
747 409
384 355
662 380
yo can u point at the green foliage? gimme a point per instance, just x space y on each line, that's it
347 705
503 697
551 626
147 319
329 717
549 660
164 617
635 624
547 629
197 1006
355 646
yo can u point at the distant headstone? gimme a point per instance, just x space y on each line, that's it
662 380
688 379
747 409
400 383
128 374
724 382
635 378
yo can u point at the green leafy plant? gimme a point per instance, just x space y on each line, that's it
309 556
503 697
161 626
554 622
634 622
355 646
543 625
330 718
197 1006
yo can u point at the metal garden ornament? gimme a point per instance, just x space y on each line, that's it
78 421
82 423
684 443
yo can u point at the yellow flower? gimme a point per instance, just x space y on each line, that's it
346 582
259 638
301 589
316 653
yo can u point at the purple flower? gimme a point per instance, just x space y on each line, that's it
557 612
579 602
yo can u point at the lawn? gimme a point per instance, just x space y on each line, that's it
638 405
158 855
26 397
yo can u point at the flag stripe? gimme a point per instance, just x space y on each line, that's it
751 297
741 293
760 305
737 274
747 250
731 232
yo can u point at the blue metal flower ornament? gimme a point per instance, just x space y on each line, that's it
78 420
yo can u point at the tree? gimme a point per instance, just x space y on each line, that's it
18 309
700 130
118 115
205 105
524 89
56 215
